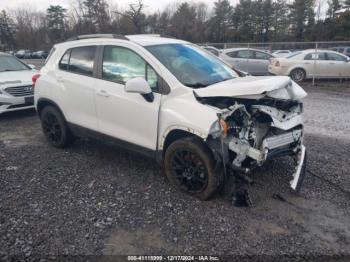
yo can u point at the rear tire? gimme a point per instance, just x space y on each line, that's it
190 167
55 128
298 75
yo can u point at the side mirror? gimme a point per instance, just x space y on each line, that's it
141 86
31 66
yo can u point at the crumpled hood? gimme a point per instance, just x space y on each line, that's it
16 77
279 87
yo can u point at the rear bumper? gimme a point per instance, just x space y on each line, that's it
280 71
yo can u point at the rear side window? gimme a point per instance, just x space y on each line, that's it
82 60
246 54
316 56
79 60
336 57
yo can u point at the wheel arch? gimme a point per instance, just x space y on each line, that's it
42 102
177 133
297 67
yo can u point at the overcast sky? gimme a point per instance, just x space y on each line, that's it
152 5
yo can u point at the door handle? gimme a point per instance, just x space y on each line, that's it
103 93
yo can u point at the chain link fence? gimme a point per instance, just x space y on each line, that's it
340 72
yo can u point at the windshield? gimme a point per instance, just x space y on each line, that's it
191 65
9 63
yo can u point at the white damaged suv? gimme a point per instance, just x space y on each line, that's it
173 101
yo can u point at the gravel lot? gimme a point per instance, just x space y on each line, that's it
95 198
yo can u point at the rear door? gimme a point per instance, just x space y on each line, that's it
76 79
316 64
126 116
338 65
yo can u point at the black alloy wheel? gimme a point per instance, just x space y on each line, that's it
55 128
190 167
189 171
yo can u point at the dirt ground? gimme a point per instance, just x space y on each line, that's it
95 198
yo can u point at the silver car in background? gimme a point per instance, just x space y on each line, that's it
253 61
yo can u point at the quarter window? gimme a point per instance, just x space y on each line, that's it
121 64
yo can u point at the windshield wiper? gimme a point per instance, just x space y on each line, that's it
196 85
223 80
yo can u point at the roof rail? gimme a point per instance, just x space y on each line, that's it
81 37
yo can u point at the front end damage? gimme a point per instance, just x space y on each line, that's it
254 129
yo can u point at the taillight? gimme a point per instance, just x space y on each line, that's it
35 78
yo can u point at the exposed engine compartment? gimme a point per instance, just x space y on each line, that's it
250 131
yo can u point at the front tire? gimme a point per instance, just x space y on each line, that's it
55 128
190 167
298 75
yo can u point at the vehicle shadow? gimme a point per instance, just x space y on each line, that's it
17 115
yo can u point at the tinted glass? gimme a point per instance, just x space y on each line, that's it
245 54
64 61
121 64
336 57
191 65
82 60
262 56
316 56
348 50
10 63
232 54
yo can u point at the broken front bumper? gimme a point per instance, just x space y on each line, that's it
299 174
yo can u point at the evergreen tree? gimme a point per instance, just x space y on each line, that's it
302 17
6 31
184 21
55 16
220 25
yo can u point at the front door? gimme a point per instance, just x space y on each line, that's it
126 116
259 65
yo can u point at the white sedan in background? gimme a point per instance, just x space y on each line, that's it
309 63
16 86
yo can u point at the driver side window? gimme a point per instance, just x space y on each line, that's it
121 64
